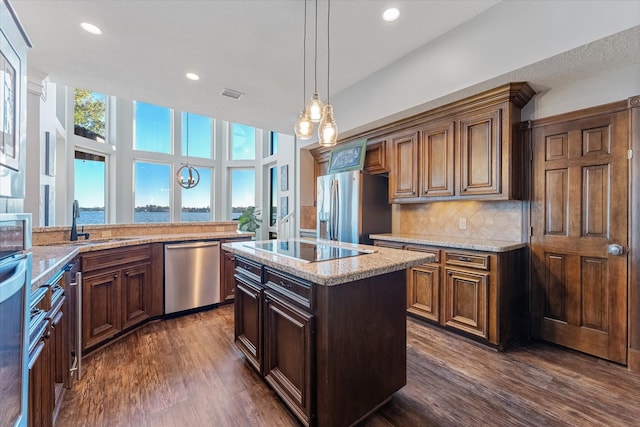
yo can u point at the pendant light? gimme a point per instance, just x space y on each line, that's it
328 130
314 107
193 176
304 126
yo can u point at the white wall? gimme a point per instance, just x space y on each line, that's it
486 52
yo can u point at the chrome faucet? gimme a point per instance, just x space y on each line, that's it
75 213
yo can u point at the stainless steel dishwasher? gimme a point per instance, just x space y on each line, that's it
191 275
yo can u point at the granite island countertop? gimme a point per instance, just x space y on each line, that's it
50 258
379 261
451 242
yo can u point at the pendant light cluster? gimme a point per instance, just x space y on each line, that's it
192 177
315 111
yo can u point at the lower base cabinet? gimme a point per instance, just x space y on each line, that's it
478 294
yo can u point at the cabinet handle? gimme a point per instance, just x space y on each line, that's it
465 259
285 285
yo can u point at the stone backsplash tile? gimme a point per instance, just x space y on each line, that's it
485 220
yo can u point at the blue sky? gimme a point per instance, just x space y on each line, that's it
153 180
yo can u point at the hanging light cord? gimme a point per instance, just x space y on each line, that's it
304 57
187 139
315 60
328 55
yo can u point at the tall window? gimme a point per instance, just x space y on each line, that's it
273 143
273 193
196 201
243 142
153 128
89 115
243 190
89 184
152 192
196 131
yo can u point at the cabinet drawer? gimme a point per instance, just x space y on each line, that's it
387 244
461 259
425 249
249 269
288 286
115 257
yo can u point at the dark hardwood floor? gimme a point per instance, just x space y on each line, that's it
186 372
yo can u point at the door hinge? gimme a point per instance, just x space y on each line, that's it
629 154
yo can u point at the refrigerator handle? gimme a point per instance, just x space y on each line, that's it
334 215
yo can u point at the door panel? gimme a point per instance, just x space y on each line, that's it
579 208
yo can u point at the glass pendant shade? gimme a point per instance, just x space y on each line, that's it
304 126
327 130
314 108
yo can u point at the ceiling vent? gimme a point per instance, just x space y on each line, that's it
232 93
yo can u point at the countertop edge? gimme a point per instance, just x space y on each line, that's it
48 259
335 272
452 242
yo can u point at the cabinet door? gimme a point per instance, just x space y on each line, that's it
41 387
136 293
423 291
248 320
481 153
466 298
100 305
375 159
403 178
227 285
436 160
288 353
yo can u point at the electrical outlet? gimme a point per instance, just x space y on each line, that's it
463 224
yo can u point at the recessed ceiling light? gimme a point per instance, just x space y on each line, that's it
391 14
192 76
90 28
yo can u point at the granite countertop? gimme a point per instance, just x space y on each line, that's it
337 271
452 242
48 259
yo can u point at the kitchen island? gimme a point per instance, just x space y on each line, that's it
329 337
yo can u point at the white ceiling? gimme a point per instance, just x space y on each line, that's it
252 46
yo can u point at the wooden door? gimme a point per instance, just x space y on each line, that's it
423 291
436 160
578 214
288 354
403 178
136 293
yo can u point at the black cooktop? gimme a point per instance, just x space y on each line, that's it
305 251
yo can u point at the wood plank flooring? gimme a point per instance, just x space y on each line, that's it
187 372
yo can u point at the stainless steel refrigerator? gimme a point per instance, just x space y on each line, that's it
351 205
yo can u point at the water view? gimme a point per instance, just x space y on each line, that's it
97 217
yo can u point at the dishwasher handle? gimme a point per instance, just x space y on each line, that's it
192 245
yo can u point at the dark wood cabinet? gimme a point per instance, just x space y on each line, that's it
288 353
48 368
319 347
479 294
227 281
118 292
248 319
436 160
403 179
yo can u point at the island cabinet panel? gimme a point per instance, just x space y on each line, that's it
248 320
120 289
289 353
333 354
227 272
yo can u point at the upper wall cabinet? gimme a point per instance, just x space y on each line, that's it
468 150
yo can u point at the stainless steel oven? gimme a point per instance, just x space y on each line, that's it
15 290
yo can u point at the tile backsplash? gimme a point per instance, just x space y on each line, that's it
484 220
